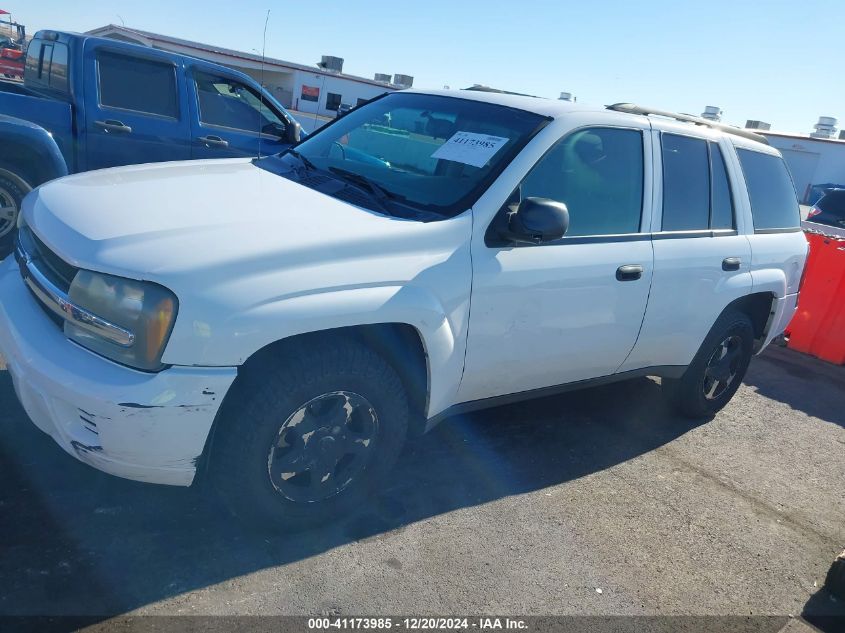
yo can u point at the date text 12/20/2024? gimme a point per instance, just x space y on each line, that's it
416 624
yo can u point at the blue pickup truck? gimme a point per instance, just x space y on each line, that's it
89 103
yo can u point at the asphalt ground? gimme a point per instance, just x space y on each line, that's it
599 502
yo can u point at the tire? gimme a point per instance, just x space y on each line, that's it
717 370
13 188
356 411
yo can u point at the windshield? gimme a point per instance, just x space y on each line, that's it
413 152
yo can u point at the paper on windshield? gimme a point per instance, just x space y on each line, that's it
470 148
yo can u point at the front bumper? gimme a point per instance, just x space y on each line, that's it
137 425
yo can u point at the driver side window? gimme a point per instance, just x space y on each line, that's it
228 103
598 174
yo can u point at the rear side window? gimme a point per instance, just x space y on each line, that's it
58 68
133 83
686 183
33 61
46 65
774 204
598 174
721 203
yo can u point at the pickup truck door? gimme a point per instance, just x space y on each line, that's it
571 309
135 106
227 114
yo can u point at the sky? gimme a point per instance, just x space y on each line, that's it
775 61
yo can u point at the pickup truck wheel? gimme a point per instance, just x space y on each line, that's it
310 438
717 370
13 188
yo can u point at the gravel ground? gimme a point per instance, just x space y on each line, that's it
596 502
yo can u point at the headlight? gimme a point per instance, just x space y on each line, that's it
143 309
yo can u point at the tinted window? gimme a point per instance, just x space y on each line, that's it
132 83
686 183
833 202
598 174
33 59
58 67
229 103
774 204
722 213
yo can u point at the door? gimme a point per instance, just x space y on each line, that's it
230 116
133 108
570 309
702 258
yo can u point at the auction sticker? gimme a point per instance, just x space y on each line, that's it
470 148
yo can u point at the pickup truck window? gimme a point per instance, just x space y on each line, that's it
598 174
229 103
412 150
774 204
137 84
686 183
46 65
32 68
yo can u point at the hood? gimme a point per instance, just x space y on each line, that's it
150 221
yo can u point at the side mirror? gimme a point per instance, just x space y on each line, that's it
537 220
293 132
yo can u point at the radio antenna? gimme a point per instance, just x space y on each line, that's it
261 81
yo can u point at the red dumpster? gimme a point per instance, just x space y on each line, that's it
818 327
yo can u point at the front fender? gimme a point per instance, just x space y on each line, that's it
19 132
442 332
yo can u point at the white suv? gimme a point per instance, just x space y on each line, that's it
282 325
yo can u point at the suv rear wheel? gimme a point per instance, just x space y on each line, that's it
311 437
718 368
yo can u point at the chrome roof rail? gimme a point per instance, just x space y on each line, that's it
630 108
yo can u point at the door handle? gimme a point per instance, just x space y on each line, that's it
213 141
629 272
731 263
112 125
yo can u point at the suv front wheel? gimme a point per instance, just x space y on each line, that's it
309 437
717 370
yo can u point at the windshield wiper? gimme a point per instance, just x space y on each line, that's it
302 159
357 179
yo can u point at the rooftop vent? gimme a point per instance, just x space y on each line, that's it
825 128
567 96
332 64
403 81
757 125
712 113
382 77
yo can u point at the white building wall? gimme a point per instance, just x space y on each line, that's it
811 161
349 90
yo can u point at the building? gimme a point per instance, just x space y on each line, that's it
812 161
317 89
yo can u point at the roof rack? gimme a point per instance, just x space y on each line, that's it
630 108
